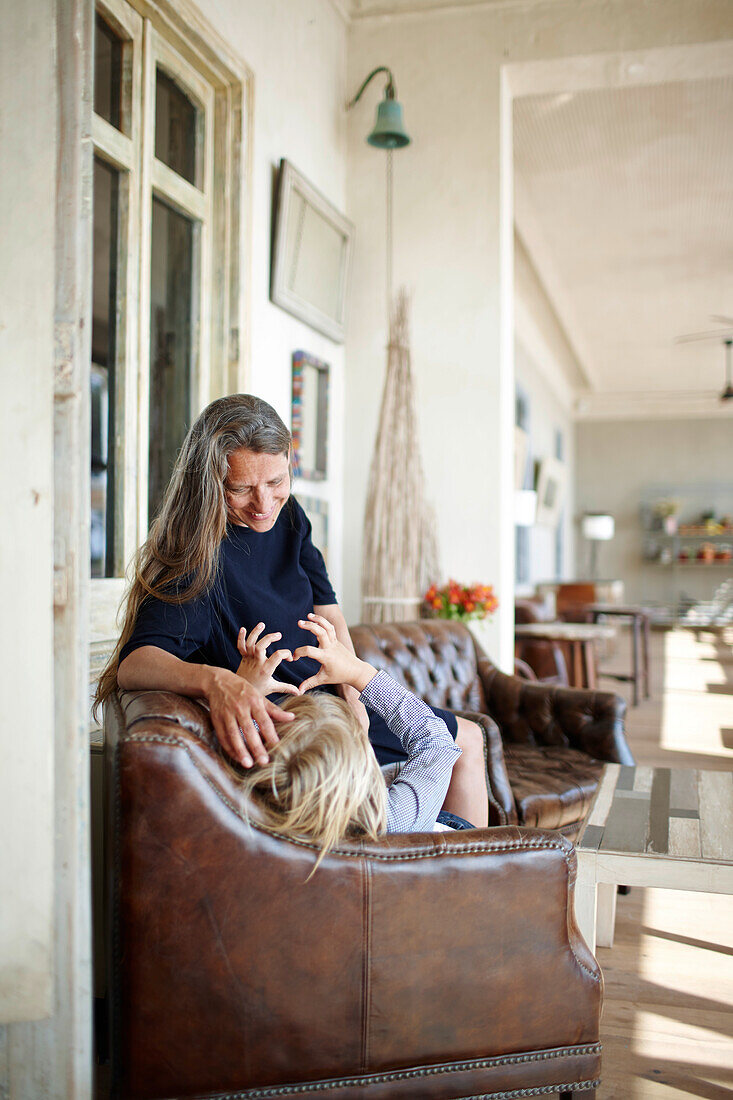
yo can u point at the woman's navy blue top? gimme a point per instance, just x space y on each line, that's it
275 577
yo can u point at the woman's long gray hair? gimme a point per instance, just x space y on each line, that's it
187 532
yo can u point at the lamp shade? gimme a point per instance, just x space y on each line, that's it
598 527
389 129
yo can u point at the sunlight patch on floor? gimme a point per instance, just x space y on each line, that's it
668 1018
697 705
667 1026
679 1030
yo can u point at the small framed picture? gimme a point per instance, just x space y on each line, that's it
311 255
317 512
521 454
309 422
550 484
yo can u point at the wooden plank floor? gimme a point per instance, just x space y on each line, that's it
667 1026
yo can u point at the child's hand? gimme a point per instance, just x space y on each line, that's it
256 667
338 664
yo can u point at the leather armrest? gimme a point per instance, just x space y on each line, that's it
544 658
545 714
523 670
502 809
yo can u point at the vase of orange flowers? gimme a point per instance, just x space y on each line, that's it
460 601
472 604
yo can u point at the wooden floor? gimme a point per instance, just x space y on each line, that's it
667 1027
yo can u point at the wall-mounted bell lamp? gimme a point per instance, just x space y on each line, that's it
389 129
596 527
388 134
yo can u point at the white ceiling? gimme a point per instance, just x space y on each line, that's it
624 200
364 9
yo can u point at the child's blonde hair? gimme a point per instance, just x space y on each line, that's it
322 782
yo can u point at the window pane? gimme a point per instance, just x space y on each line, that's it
176 124
104 295
172 322
107 72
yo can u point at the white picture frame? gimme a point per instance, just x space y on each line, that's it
521 454
550 483
311 256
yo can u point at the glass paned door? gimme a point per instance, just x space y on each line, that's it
152 128
165 270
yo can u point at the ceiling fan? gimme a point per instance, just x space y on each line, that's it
724 334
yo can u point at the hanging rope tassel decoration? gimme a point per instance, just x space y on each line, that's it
400 547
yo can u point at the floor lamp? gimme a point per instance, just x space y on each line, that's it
597 527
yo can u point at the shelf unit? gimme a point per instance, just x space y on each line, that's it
659 542
661 549
693 563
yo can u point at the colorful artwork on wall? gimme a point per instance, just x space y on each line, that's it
309 423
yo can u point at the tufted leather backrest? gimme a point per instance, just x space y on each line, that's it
439 661
434 658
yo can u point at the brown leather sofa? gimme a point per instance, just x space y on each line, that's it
545 745
421 967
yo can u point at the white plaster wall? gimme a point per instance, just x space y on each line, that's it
548 374
547 414
447 67
27 223
297 52
617 463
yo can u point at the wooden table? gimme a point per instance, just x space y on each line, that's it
577 641
664 827
639 617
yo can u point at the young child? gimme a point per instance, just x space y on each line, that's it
322 780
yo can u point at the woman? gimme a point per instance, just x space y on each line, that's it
230 548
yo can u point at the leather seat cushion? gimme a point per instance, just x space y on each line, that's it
552 786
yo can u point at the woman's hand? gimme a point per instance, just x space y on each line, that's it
338 664
256 667
235 705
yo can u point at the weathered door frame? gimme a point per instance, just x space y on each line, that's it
51 1057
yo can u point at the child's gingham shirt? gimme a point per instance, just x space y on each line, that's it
417 794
